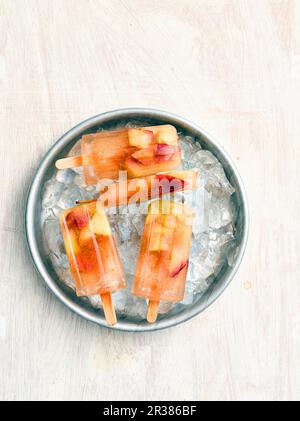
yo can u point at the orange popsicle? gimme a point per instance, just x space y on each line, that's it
92 254
136 190
164 254
141 152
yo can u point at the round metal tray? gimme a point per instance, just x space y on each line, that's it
34 229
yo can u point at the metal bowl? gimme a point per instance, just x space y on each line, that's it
46 170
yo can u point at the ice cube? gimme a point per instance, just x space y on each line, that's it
70 195
53 237
79 181
219 212
164 307
65 176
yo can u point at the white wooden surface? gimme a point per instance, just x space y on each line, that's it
233 66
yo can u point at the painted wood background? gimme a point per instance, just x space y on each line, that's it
233 66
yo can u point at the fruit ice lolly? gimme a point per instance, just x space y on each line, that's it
92 254
164 255
136 190
143 151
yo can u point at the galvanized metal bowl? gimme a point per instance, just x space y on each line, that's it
34 228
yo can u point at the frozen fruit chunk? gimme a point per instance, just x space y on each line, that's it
186 179
163 149
71 220
180 252
167 184
154 243
159 206
154 154
82 217
161 237
85 237
145 156
176 265
135 168
167 134
149 153
140 138
166 238
100 225
169 221
78 217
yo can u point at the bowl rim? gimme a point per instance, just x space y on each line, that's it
29 219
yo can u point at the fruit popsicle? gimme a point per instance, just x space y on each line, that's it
143 151
136 190
164 254
92 254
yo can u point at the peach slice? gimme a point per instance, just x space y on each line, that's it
145 156
79 217
163 149
187 178
140 138
167 134
159 207
165 153
166 238
165 184
71 220
180 250
137 169
161 236
100 225
85 237
82 217
169 221
155 153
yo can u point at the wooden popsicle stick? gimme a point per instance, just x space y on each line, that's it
109 309
85 202
70 162
152 311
